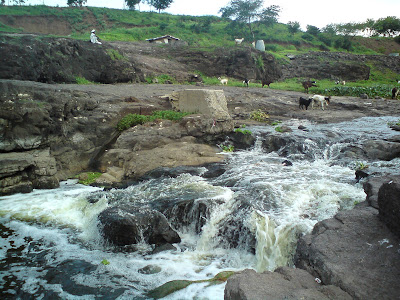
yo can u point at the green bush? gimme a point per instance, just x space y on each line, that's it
259 115
132 120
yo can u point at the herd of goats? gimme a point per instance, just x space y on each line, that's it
304 103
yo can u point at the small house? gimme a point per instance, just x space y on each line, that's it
166 39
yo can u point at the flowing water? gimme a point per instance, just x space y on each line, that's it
51 247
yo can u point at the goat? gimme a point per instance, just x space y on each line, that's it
341 82
223 80
265 82
303 102
321 100
307 84
246 82
239 41
395 92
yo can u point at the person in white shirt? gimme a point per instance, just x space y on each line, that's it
93 37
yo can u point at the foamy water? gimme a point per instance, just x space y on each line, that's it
51 246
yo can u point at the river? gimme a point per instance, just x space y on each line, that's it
51 247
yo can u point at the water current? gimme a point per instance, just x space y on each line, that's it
51 247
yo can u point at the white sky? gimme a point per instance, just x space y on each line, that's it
306 12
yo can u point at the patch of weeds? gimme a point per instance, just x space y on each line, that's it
227 148
278 129
105 262
259 115
359 165
82 80
131 120
275 123
88 177
115 55
243 131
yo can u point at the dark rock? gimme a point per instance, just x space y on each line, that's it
371 188
381 150
360 174
60 60
354 251
163 247
287 163
128 225
389 205
284 283
150 269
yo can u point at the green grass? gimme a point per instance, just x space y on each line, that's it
82 80
132 120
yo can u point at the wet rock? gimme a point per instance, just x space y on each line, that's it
389 205
127 225
354 251
163 247
284 283
381 150
371 188
360 174
150 269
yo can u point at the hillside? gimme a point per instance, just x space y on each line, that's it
207 31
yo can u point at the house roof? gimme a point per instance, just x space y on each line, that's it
163 37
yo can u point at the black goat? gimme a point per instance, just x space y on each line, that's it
395 92
303 102
246 82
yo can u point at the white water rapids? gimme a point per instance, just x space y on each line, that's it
51 247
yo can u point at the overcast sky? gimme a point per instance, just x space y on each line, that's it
306 12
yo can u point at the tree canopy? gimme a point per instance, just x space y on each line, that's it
131 3
79 3
251 13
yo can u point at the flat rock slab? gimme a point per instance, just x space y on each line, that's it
355 251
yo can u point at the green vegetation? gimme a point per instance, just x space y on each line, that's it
105 262
82 80
115 55
278 129
359 165
131 120
259 115
243 131
227 148
88 177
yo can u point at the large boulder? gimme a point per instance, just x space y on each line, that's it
211 104
355 251
50 60
389 205
284 283
20 172
126 225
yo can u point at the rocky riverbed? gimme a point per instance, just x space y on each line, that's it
53 132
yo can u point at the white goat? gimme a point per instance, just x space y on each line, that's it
239 41
320 100
223 80
341 82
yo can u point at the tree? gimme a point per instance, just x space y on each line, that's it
160 4
79 3
387 26
131 3
293 27
313 30
251 13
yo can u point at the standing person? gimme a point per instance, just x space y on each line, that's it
93 37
